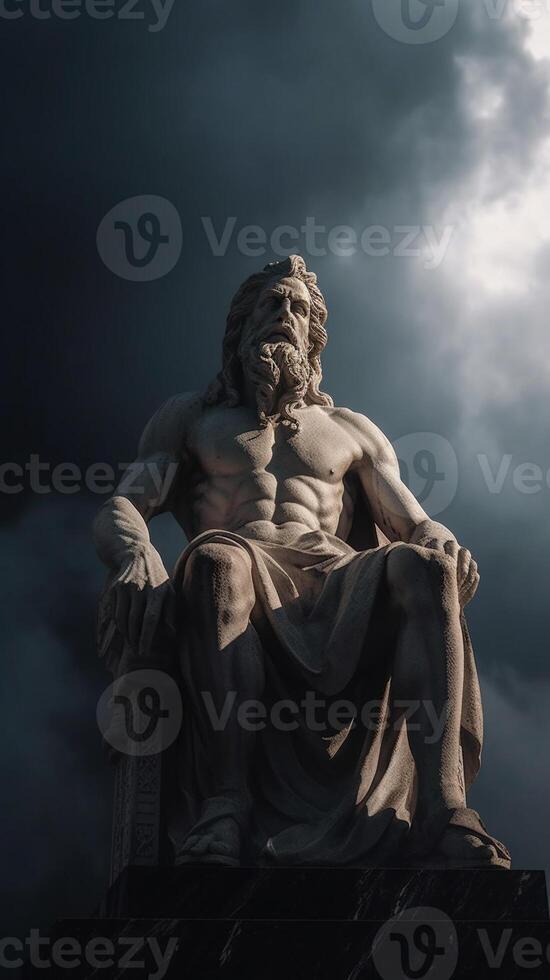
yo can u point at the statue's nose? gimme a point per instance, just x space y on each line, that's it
284 309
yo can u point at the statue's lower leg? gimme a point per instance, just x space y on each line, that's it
429 671
222 666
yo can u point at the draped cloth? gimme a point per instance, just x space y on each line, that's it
340 796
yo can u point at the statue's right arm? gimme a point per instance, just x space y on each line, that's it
140 590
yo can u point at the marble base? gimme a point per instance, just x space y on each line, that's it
210 892
321 924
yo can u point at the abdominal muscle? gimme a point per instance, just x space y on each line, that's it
308 504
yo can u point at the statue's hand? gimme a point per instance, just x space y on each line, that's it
431 534
141 596
467 576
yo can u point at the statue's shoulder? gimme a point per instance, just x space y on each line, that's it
368 435
167 430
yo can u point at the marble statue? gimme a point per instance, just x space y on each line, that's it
312 577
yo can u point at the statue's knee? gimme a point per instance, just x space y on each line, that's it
415 576
224 569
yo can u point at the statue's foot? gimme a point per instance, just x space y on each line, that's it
460 842
215 838
461 845
220 844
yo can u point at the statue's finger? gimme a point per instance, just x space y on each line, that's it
470 588
451 548
431 543
463 564
468 575
465 591
473 574
468 598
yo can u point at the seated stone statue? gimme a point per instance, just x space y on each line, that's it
332 705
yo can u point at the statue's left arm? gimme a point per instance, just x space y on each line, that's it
140 593
395 509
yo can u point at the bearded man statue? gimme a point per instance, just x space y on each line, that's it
332 706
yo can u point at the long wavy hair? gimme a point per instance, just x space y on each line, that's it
228 386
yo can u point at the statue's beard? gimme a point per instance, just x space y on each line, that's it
280 374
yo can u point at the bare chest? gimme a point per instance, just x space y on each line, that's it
227 443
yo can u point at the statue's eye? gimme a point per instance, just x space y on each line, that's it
299 308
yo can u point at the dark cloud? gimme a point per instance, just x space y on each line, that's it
57 781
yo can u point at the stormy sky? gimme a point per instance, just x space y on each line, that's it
270 115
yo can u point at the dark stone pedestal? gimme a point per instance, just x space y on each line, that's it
316 924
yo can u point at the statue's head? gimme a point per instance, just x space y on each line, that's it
273 342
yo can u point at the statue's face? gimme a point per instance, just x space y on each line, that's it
274 348
281 315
